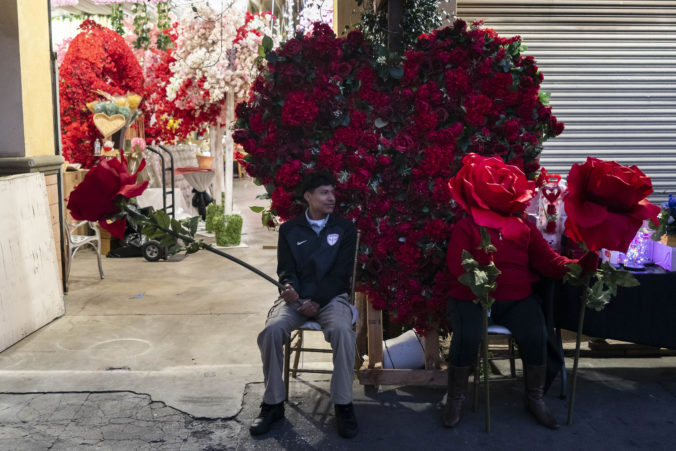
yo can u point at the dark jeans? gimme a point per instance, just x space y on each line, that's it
523 318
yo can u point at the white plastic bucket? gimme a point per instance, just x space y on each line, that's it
404 352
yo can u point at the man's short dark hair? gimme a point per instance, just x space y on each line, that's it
314 180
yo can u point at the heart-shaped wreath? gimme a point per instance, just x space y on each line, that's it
393 132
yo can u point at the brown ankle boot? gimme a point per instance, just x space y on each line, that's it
534 399
457 387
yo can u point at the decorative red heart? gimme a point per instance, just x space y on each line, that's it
551 193
393 134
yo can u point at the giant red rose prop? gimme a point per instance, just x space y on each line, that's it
606 204
94 198
492 192
393 134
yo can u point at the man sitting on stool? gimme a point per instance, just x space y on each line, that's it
315 256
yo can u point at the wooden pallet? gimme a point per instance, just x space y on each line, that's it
372 373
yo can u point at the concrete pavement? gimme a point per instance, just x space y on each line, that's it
163 356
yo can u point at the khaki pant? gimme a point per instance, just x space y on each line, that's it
336 321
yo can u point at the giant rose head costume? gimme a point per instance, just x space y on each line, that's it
606 204
492 192
95 198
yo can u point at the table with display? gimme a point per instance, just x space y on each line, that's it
200 179
644 315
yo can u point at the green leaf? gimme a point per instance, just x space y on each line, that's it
261 51
176 226
380 123
192 224
257 209
485 240
167 241
267 43
396 72
480 276
161 218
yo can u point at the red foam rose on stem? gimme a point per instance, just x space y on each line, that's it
95 198
606 204
492 192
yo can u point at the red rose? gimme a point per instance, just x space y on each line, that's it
94 198
492 192
298 109
292 47
355 38
606 204
402 142
511 129
478 107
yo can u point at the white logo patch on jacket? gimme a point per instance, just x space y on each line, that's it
332 239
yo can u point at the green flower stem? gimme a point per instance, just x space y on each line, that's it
186 239
484 351
573 382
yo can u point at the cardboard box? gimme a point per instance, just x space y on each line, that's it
664 256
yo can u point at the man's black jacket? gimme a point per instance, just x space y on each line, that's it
318 266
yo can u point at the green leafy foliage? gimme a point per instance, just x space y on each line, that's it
215 214
420 16
233 230
481 279
116 18
606 281
229 230
662 226
163 23
174 235
141 26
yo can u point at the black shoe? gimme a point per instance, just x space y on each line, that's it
347 422
269 414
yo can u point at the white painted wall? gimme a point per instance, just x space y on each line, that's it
30 289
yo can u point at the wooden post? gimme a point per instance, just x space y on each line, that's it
375 336
216 149
229 150
362 325
432 358
395 18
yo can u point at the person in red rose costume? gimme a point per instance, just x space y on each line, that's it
315 256
494 195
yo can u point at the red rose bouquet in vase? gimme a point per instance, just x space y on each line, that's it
606 205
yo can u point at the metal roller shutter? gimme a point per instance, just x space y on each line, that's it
610 67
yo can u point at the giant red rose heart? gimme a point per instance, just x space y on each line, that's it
393 133
606 204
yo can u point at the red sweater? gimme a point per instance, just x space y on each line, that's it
521 261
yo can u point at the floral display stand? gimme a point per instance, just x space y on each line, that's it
372 373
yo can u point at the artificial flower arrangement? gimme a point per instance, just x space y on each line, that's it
213 53
115 113
97 59
665 227
393 132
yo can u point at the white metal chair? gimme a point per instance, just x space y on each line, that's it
75 242
295 343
